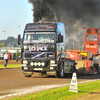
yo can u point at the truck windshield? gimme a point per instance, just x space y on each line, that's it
39 37
91 37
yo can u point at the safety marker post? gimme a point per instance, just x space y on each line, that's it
73 85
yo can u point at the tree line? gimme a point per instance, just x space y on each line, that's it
9 42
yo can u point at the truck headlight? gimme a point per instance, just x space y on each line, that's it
25 47
52 61
39 63
35 63
31 63
25 62
43 64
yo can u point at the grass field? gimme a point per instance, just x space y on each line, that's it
10 66
86 91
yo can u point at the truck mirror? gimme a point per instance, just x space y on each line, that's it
61 38
19 39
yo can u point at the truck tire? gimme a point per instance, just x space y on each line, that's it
27 74
60 73
98 70
91 70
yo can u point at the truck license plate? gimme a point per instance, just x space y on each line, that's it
38 68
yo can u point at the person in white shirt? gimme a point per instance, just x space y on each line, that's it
6 59
94 38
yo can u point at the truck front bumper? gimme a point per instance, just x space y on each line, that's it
39 68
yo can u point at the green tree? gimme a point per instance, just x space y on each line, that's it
1 44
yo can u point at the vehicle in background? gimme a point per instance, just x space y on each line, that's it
19 55
96 59
84 65
92 44
88 60
1 55
92 40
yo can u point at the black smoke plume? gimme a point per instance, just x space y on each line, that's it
73 13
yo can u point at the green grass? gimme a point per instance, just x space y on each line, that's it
63 93
10 66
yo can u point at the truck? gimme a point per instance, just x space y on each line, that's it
43 49
92 40
92 44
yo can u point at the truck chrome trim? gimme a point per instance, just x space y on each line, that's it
38 55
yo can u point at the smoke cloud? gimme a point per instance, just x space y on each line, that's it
73 13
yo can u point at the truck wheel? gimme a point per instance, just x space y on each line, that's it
98 70
60 73
27 74
91 70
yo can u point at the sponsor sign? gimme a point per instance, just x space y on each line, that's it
38 48
73 85
40 27
91 46
72 55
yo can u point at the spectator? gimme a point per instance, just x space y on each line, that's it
8 56
6 59
94 38
16 56
12 56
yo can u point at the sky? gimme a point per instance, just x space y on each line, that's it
14 15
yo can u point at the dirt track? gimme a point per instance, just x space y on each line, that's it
12 79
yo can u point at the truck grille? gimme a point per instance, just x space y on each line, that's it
39 63
38 55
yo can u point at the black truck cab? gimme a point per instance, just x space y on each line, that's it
43 48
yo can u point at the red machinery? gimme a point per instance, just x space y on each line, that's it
88 60
92 43
92 40
84 65
77 54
